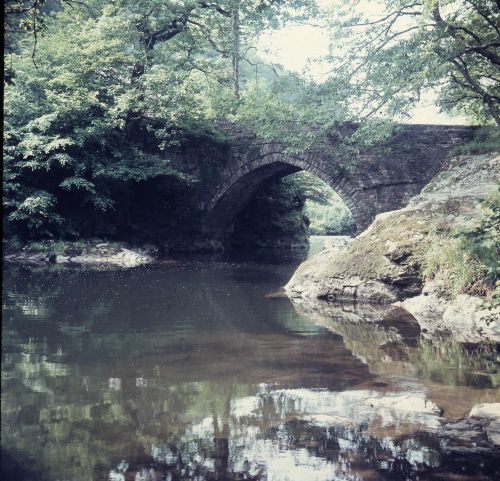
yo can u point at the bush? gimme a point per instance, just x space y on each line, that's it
486 139
468 261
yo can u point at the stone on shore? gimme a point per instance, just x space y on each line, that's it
101 256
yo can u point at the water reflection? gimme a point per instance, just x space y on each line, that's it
192 371
388 340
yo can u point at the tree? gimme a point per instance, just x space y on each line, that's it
111 87
68 135
382 63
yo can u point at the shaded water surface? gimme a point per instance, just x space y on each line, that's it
202 370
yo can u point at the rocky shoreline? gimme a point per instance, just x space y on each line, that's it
99 255
383 264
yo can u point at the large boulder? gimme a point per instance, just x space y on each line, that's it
383 264
463 315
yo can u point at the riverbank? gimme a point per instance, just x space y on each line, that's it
392 261
90 253
100 254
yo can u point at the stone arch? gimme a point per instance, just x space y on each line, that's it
240 183
376 180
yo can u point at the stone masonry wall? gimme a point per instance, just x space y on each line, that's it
383 179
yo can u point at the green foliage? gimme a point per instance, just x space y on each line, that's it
60 247
65 129
447 260
101 97
283 212
36 212
334 218
486 139
305 116
312 188
469 260
113 88
383 64
326 211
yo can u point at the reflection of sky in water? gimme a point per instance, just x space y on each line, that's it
362 405
346 411
204 371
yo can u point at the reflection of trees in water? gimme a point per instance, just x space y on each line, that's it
194 322
68 303
208 432
74 302
77 403
347 453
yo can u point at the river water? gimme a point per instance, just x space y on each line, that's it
201 369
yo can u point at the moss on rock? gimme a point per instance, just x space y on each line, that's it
384 263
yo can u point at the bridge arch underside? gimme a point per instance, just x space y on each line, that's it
238 189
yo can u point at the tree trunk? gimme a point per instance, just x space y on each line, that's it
235 56
491 102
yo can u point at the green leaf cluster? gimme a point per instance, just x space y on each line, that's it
102 96
385 63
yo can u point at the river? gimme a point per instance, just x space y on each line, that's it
202 369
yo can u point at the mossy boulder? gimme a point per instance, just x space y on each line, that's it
384 263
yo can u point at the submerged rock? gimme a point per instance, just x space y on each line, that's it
486 410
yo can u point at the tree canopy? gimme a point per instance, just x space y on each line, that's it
383 63
98 92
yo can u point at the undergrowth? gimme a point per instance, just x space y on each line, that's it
467 260
486 139
459 271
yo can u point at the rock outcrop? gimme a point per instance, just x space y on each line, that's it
383 264
463 315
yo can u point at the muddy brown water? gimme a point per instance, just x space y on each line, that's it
201 369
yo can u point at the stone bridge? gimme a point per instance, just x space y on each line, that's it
375 181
